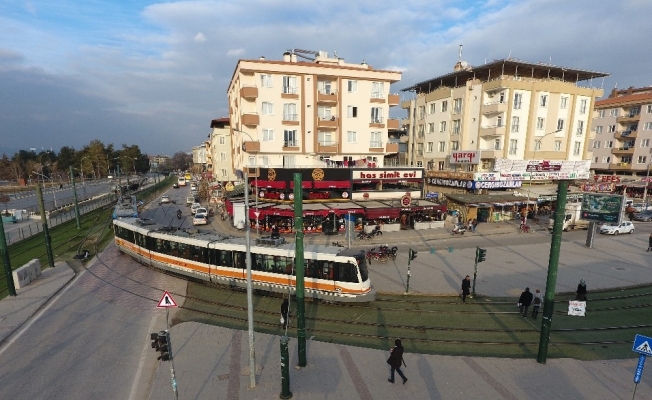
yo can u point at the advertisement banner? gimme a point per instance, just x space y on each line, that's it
602 207
465 157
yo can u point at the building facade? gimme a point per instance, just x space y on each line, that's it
322 112
505 109
623 132
221 164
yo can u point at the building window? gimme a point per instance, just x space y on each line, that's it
376 141
608 144
596 144
324 87
324 113
431 127
441 165
420 131
600 113
580 128
541 123
432 107
537 145
515 122
595 160
647 126
376 115
290 112
497 144
642 159
518 99
352 137
430 147
576 148
457 106
422 112
268 135
377 90
266 80
649 109
557 145
442 126
252 161
222 156
419 149
499 121
543 100
288 161
634 111
352 86
513 146
455 145
645 142
598 129
265 161
560 124
441 147
613 112
290 84
444 106
583 104
268 108
222 140
290 138
563 102
456 127
612 128
325 139
352 112
606 159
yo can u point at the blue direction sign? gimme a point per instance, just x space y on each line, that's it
642 345
639 369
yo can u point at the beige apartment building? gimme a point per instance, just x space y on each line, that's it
623 132
310 110
219 155
506 108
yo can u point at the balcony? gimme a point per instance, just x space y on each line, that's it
291 145
326 147
376 147
628 118
490 153
393 123
377 122
249 92
327 122
630 134
494 108
623 150
327 96
290 92
250 119
391 148
393 99
251 146
492 130
377 97
621 166
290 119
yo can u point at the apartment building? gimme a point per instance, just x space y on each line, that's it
623 132
220 163
506 108
310 110
199 158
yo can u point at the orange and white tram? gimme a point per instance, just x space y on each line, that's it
331 273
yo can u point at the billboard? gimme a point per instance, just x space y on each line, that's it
602 207
542 169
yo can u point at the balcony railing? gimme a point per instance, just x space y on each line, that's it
377 120
327 143
290 117
327 92
377 95
290 143
290 90
376 144
457 110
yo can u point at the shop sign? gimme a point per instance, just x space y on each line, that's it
365 196
397 174
319 195
487 176
229 187
496 185
601 187
545 169
451 175
465 157
432 195
450 182
345 195
406 200
272 195
606 178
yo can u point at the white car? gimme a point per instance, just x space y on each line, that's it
165 199
194 208
200 219
615 229
201 210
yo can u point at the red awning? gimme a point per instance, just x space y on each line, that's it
321 213
383 212
270 184
304 184
332 184
279 213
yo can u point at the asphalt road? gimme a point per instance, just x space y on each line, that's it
27 200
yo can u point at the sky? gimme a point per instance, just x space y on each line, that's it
155 74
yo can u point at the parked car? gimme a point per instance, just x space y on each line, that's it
194 207
645 216
616 229
200 219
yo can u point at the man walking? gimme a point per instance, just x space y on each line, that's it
649 246
466 288
395 361
536 303
524 301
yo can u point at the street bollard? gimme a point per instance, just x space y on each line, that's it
432 250
450 249
285 369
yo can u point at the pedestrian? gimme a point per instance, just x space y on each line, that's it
470 225
466 287
581 291
395 361
524 301
285 313
536 303
649 246
475 224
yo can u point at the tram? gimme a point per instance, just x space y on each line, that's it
331 273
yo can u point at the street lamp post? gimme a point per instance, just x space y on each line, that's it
52 182
536 144
255 184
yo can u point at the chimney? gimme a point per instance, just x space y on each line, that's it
293 57
286 56
262 58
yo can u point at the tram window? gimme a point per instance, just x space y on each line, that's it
162 246
326 270
224 258
287 266
238 259
151 242
141 240
196 253
312 268
268 264
346 272
184 251
258 261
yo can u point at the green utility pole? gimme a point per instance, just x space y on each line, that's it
5 259
553 263
44 221
480 256
74 191
285 369
299 268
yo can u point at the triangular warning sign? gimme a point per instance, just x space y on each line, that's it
645 348
166 301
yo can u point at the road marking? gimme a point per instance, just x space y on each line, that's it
143 356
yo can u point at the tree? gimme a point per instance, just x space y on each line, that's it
5 168
5 200
181 160
67 158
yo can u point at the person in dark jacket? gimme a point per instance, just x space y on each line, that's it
524 301
285 312
466 287
581 291
649 246
395 361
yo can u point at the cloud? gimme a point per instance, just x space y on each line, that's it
199 37
235 52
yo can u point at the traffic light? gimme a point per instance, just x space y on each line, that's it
412 254
480 255
160 343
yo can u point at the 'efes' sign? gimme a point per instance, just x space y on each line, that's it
602 207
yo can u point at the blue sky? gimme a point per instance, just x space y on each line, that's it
155 73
